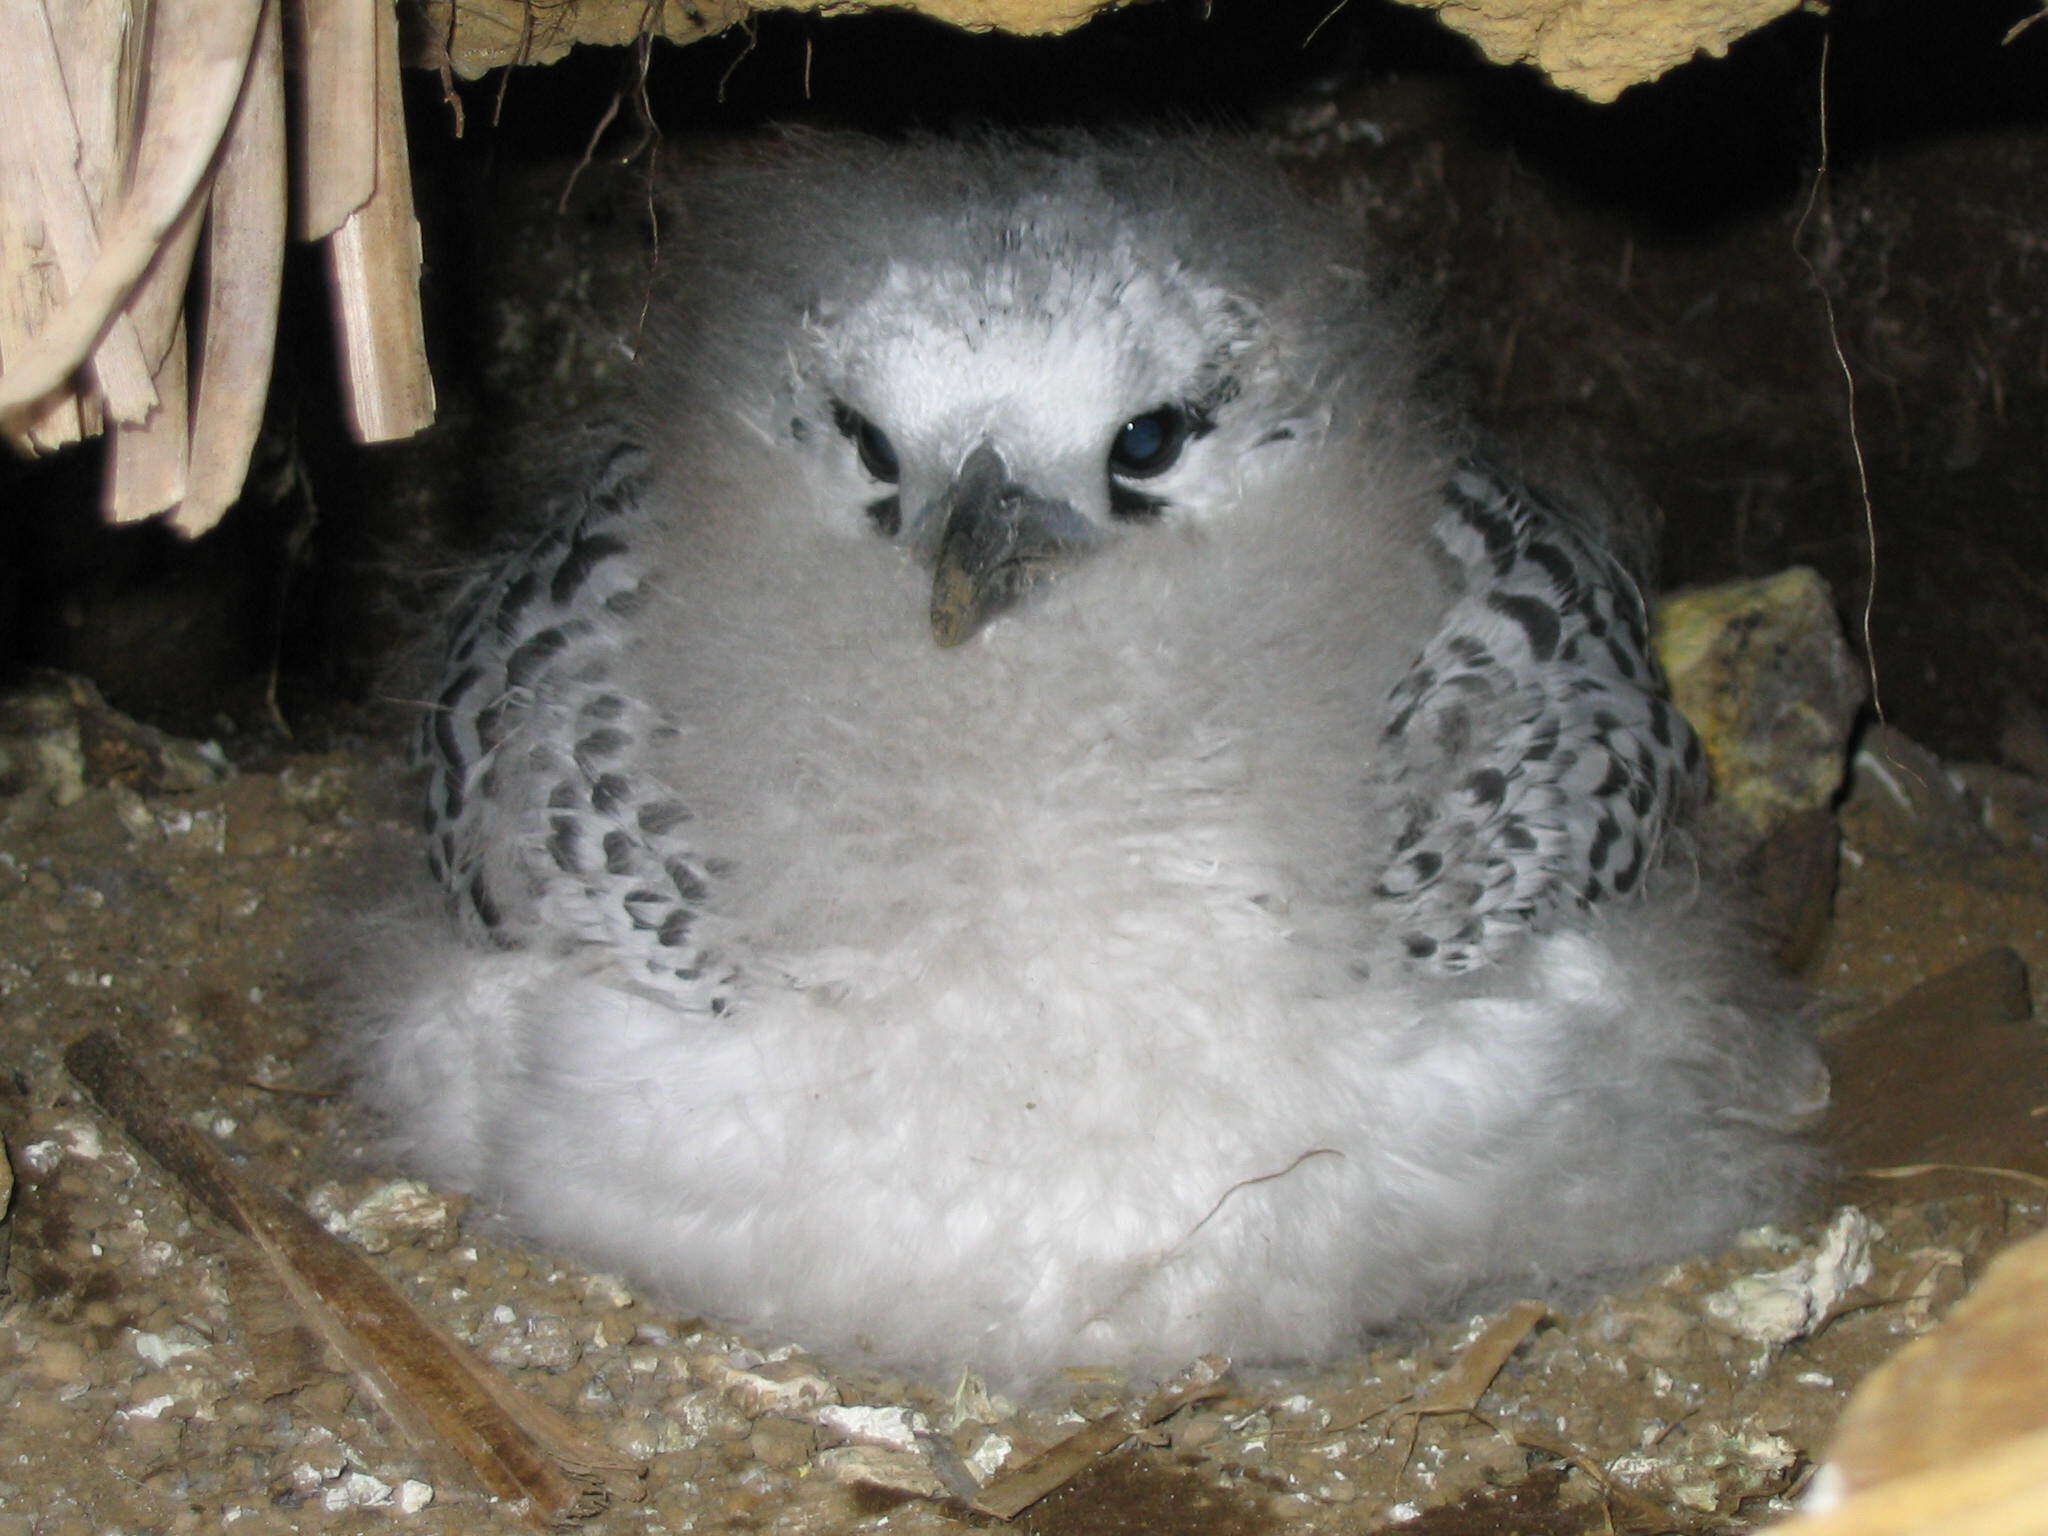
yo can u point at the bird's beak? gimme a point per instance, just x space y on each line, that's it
997 540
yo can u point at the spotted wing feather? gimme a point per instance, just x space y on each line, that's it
545 824
1534 762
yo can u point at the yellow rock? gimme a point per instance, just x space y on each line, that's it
1762 672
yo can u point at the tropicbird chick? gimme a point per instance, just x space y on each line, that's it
1034 808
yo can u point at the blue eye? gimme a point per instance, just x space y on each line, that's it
1149 444
877 453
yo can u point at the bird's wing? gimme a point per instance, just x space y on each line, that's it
1532 759
544 822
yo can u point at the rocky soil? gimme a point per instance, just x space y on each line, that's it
159 1381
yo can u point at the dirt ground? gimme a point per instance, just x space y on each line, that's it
156 1381
1640 286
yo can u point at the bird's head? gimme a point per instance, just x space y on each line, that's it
998 359
1002 413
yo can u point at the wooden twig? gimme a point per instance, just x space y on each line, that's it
1918 1170
146 459
207 44
375 263
48 238
1459 1389
145 470
1011 1493
100 45
337 111
454 1409
244 274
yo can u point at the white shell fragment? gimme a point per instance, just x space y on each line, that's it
1793 1302
893 1428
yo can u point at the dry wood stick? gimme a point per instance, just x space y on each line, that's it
337 111
207 53
452 1407
375 262
245 236
52 236
1011 1493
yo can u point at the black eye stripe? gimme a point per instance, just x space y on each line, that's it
877 453
1129 506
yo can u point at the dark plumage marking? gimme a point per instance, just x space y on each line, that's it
603 709
618 853
446 742
1129 506
458 685
1202 410
1626 877
685 880
674 929
662 816
1660 722
609 793
490 724
515 601
601 744
886 513
481 902
1556 563
1642 791
1538 620
626 602
1496 532
530 656
1489 786
565 844
584 557
1605 835
645 908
